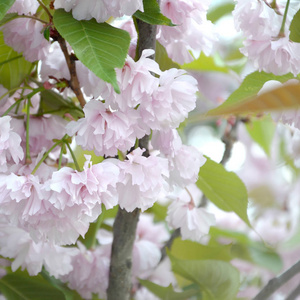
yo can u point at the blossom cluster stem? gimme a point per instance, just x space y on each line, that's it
124 229
28 158
74 157
281 33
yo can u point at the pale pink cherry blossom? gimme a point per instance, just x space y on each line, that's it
17 244
185 165
254 17
24 7
130 28
86 189
26 36
277 55
194 222
90 271
142 180
10 144
105 131
43 130
190 18
136 82
101 10
168 142
146 253
171 101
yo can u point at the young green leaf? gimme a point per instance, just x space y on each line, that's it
217 279
168 293
152 14
8 17
225 189
162 58
99 46
262 132
13 67
20 286
193 251
5 5
247 90
295 28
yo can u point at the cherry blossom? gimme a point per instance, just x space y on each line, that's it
101 10
142 180
25 35
10 148
24 7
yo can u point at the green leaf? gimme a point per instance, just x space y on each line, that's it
216 13
54 103
152 14
5 5
295 28
244 248
249 88
168 293
162 58
193 251
69 294
99 46
20 286
217 279
262 132
205 63
225 189
13 67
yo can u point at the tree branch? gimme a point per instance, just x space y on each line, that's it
275 283
124 228
74 82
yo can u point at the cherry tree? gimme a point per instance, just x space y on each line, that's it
105 191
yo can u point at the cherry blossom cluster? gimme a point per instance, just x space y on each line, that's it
45 204
266 44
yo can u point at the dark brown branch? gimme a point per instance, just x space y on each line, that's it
124 229
74 82
275 283
169 243
121 257
229 138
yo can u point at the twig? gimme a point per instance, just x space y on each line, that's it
229 138
124 229
74 82
169 243
275 283
294 294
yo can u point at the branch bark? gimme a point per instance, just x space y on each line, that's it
124 228
275 283
74 82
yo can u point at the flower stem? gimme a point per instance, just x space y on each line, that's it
281 33
60 156
74 157
12 106
45 156
28 158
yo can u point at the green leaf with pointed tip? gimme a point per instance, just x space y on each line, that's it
262 132
217 279
251 85
13 66
185 249
168 293
225 189
20 286
99 46
5 5
295 28
152 14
